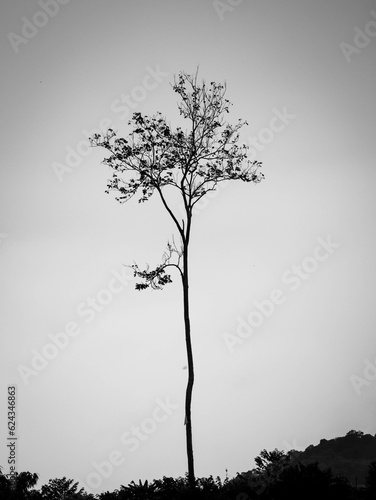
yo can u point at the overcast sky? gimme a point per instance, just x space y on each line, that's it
282 273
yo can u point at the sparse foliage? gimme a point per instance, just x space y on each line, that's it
156 158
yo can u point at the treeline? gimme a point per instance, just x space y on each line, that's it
277 476
293 482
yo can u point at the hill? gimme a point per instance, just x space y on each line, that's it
349 455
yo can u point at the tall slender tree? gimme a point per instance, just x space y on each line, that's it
155 158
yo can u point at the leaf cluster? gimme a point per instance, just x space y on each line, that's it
156 278
155 155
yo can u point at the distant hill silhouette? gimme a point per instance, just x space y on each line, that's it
349 455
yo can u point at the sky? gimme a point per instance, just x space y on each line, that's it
283 272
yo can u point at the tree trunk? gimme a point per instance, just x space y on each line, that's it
188 394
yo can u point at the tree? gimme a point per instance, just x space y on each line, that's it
156 158
139 491
59 489
270 462
269 466
357 434
20 487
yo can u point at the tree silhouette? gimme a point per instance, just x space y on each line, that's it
58 489
139 491
21 487
155 158
269 466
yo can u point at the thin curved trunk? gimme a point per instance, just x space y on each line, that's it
188 394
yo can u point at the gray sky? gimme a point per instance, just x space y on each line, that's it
282 273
